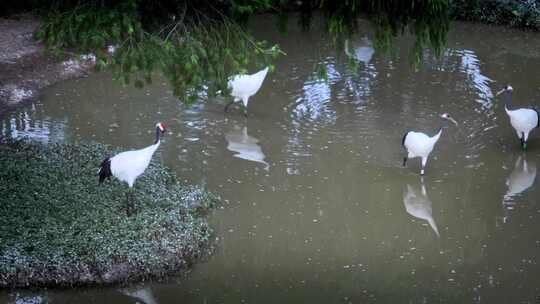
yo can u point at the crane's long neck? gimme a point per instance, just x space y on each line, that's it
436 137
508 100
158 136
152 149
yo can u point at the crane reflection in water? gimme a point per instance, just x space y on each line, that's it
245 146
521 179
418 204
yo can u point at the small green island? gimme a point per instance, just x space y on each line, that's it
61 228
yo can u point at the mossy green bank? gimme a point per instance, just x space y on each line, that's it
58 226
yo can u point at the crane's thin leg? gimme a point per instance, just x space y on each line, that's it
127 203
405 161
424 161
523 141
130 207
228 105
133 206
245 103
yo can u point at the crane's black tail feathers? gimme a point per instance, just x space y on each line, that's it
537 115
105 170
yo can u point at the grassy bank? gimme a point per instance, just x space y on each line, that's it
59 227
517 13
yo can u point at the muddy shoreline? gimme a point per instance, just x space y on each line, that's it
25 66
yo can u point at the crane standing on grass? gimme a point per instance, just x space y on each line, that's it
419 144
127 166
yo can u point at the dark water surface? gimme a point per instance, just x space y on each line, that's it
318 208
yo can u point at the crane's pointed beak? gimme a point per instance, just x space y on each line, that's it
453 120
500 92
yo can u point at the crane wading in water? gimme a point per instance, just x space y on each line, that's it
418 144
244 86
127 166
523 120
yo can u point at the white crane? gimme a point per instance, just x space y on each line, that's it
419 144
418 205
523 120
244 86
127 166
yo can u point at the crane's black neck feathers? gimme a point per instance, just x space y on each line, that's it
105 170
158 134
508 100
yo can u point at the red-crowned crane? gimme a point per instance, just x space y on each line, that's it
419 144
244 86
523 120
127 166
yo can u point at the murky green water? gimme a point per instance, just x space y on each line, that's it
318 208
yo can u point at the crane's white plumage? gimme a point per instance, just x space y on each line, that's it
523 120
244 86
419 144
127 166
418 205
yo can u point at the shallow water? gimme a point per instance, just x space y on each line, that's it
317 206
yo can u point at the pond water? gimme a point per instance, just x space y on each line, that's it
317 206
